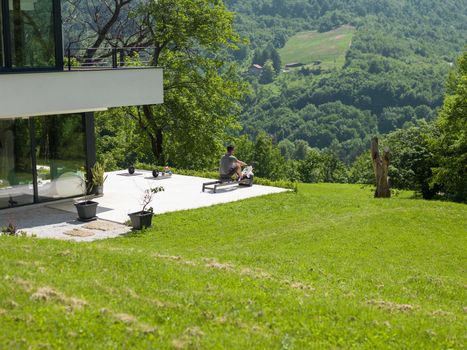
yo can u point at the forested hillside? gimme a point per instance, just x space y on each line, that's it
394 71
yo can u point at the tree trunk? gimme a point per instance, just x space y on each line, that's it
380 166
156 135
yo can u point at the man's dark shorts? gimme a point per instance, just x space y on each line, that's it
229 176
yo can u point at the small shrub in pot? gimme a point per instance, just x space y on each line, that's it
143 218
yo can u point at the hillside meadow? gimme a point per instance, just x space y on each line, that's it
327 267
329 48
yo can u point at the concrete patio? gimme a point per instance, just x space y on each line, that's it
122 195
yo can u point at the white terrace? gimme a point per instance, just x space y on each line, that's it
122 195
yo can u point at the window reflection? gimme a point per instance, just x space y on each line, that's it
60 152
60 156
32 33
16 181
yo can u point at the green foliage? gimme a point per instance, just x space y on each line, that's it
290 185
267 74
411 159
318 126
98 174
310 168
287 149
201 89
328 267
269 53
392 75
276 60
301 149
322 167
361 171
119 141
450 146
333 19
267 159
244 149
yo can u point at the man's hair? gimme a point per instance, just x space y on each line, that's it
230 148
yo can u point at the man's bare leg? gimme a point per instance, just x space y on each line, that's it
238 170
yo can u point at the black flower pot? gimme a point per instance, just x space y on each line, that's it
131 170
141 219
86 210
155 173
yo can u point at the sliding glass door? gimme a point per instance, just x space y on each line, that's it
42 159
16 175
60 156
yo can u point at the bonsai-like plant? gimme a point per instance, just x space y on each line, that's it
148 197
143 218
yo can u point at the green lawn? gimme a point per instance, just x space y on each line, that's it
329 48
328 267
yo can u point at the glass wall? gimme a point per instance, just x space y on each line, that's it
51 149
16 179
60 156
32 33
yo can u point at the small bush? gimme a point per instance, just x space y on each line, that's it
12 230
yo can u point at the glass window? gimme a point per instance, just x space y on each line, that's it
60 156
16 181
32 33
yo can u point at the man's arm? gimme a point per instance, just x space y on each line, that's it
241 163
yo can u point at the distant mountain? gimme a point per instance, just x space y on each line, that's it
392 75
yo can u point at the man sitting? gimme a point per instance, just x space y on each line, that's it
230 165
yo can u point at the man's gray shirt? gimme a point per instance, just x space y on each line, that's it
227 164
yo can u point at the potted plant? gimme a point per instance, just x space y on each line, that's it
87 208
143 218
98 178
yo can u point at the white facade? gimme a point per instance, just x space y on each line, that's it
50 93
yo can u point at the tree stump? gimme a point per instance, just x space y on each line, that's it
380 166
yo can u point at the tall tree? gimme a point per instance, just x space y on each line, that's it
93 24
451 145
267 76
201 91
276 60
190 40
267 158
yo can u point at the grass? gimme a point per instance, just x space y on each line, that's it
329 48
327 267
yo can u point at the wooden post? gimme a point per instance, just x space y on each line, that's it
380 166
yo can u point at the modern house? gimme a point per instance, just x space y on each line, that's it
47 142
